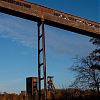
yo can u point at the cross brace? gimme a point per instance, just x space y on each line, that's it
41 60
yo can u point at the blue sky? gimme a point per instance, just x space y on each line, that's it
18 41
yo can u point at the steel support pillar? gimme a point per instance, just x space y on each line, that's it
41 60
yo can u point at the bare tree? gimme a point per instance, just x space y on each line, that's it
95 41
96 52
88 72
88 69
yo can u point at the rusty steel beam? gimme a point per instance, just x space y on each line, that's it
44 61
41 60
39 66
52 17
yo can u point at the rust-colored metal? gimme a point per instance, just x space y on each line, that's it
52 17
44 60
41 62
39 66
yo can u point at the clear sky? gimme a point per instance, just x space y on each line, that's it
18 45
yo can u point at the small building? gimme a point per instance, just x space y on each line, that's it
32 87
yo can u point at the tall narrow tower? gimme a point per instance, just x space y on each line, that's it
41 60
51 86
31 88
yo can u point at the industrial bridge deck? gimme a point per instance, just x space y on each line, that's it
51 17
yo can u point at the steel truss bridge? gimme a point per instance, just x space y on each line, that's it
43 15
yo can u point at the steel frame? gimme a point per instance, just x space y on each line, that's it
41 59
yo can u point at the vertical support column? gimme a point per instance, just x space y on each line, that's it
41 60
39 69
44 60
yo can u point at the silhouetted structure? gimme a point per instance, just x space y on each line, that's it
50 83
31 88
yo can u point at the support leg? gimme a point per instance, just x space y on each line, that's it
41 61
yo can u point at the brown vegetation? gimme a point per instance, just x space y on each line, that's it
13 96
59 94
74 94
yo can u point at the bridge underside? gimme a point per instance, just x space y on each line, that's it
48 22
